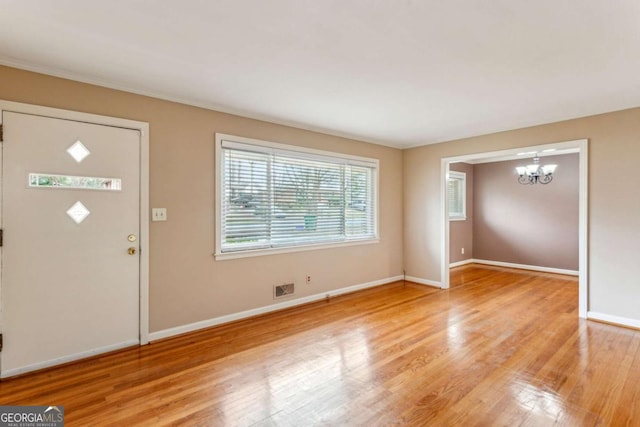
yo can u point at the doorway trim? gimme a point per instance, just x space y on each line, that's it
143 128
581 147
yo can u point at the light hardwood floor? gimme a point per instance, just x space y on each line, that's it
500 348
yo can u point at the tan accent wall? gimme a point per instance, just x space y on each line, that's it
527 224
614 222
461 232
186 283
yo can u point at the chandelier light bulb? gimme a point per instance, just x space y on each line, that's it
535 173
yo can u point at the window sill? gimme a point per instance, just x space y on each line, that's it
460 218
222 256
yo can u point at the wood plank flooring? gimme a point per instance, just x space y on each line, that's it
500 348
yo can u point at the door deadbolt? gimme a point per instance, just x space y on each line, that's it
131 237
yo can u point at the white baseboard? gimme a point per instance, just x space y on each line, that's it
423 281
191 327
616 320
66 359
526 267
461 263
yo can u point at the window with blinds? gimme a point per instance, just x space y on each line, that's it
456 195
276 196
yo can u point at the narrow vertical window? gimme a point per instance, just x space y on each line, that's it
456 195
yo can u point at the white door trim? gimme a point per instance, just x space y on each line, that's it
581 147
143 128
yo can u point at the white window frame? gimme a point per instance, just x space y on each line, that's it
268 145
462 178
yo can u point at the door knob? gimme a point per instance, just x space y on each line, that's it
131 251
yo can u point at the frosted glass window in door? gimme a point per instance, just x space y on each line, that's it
78 151
78 212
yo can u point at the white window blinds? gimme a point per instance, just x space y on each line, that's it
456 195
275 197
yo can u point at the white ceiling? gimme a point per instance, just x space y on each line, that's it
396 72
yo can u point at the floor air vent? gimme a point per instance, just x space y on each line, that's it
280 291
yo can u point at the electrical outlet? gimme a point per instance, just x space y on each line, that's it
462 251
308 279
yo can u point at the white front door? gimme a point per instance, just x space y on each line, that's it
70 256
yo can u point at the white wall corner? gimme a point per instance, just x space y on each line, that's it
421 281
461 263
615 320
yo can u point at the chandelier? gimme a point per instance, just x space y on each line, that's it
535 173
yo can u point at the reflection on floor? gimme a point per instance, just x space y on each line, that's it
501 347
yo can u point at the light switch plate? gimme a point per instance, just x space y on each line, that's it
158 214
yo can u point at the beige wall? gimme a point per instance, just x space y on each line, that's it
527 224
186 283
614 222
461 232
